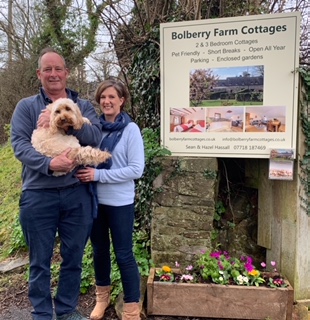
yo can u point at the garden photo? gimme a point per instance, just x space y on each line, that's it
233 86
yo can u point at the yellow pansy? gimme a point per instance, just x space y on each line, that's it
254 273
166 269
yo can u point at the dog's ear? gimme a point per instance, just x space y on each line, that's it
79 118
51 107
53 128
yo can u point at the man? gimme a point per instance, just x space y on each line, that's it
49 204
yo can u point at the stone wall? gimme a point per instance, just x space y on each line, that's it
184 205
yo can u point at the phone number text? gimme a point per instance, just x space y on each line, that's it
240 147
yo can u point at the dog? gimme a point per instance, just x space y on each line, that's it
52 141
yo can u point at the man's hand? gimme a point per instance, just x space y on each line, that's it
62 163
44 119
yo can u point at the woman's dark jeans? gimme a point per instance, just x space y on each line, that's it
44 212
120 222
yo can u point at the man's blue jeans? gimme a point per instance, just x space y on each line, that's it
120 222
44 212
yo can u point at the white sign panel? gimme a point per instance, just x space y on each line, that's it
229 86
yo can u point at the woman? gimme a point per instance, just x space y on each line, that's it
116 192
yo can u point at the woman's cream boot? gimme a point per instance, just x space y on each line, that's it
131 311
102 302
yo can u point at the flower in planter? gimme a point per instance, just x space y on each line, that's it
165 274
274 280
220 268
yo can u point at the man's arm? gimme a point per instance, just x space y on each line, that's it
23 123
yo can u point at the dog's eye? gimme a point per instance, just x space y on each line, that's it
68 108
57 111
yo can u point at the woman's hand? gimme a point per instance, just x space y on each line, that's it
86 174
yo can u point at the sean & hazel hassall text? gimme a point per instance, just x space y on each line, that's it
227 147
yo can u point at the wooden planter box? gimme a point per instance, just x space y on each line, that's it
218 301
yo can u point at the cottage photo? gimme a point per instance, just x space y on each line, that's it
233 86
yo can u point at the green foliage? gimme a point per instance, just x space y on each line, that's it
219 211
305 121
153 150
71 30
210 174
88 274
141 250
145 81
144 186
17 240
214 235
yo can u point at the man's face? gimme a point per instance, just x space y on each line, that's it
53 74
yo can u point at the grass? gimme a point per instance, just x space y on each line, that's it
10 189
221 103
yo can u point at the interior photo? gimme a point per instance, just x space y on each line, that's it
265 119
224 119
187 120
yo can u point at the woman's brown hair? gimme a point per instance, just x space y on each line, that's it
120 88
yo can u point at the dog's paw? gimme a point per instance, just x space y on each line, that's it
85 120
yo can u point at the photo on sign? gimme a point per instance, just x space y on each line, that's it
281 164
224 119
265 119
232 86
187 120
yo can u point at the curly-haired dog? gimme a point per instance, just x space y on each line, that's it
52 141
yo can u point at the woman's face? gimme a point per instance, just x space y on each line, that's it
110 103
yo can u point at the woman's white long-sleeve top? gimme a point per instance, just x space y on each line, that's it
116 186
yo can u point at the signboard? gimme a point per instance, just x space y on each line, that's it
229 86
